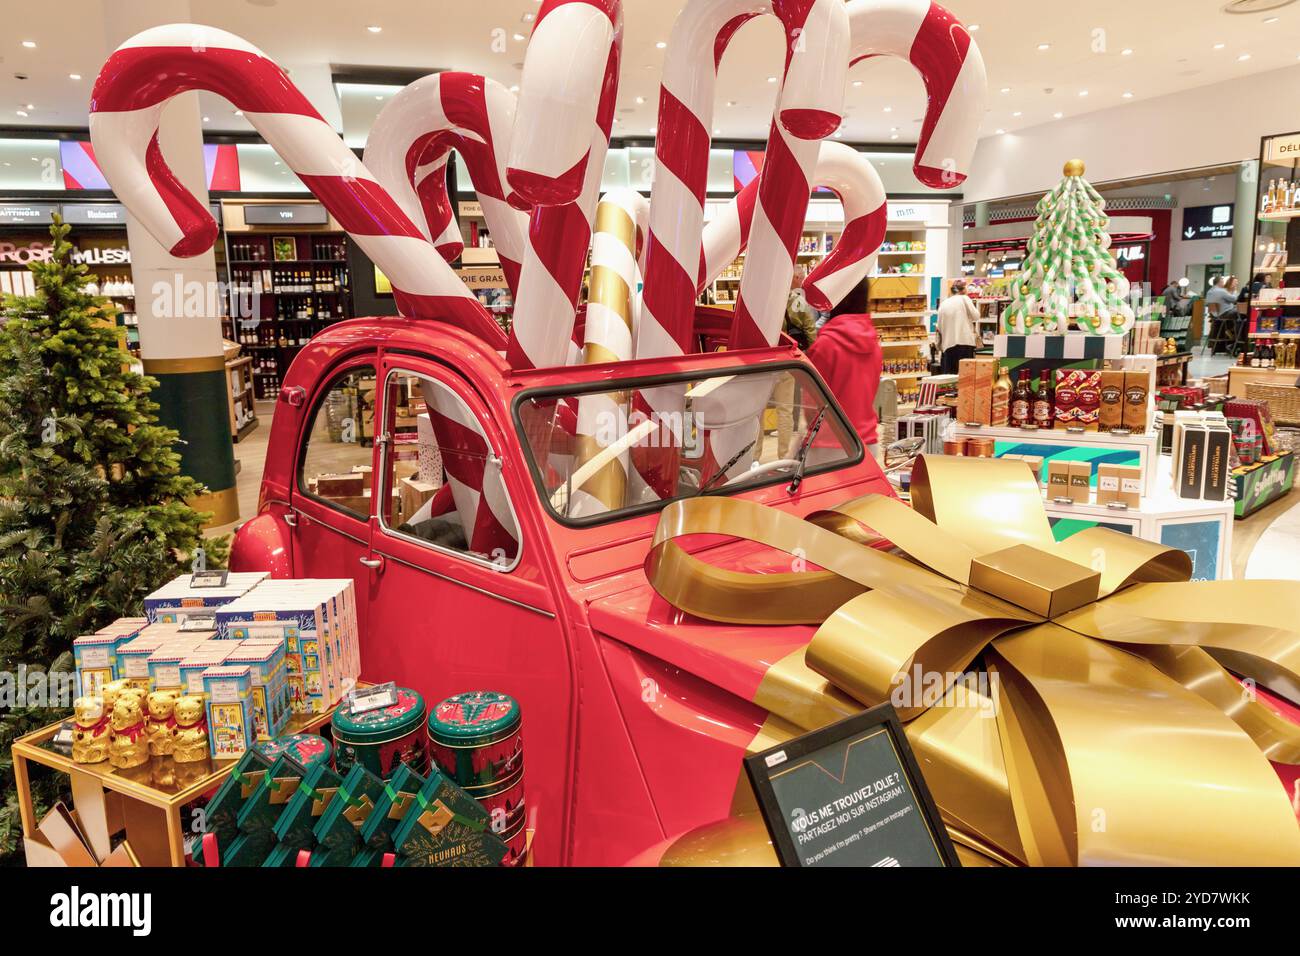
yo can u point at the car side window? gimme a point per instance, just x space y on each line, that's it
443 478
336 462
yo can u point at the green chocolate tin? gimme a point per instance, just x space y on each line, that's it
307 749
381 740
474 738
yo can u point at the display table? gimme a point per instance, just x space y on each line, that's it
145 801
1263 482
1201 528
1239 375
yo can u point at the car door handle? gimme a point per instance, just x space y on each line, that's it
291 520
374 564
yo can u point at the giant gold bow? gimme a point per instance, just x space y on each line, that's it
1117 736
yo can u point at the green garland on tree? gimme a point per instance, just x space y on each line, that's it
93 512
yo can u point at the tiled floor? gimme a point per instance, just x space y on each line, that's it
1277 552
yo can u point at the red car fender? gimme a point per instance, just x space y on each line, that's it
260 545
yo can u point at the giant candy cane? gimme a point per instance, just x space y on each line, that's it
411 141
158 64
809 107
855 181
557 155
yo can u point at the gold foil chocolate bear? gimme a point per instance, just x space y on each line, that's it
118 688
130 746
90 739
161 704
191 742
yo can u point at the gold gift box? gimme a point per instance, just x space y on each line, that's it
1035 580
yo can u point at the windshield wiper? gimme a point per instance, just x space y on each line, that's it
797 479
722 472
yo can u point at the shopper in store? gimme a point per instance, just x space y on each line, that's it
958 317
847 355
1219 300
1177 301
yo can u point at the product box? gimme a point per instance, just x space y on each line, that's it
1258 417
1119 483
340 486
229 692
447 827
392 804
1111 412
338 831
198 659
164 666
1189 459
133 656
1066 396
1137 389
295 827
1058 479
1107 484
1218 462
261 809
983 394
221 815
1088 403
1080 473
95 656
176 600
966 391
266 662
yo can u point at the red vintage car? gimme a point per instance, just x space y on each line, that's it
636 717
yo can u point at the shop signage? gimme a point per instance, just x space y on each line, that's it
1207 222
470 207
274 214
94 214
850 794
483 278
22 214
1283 147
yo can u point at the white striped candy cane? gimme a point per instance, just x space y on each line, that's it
853 179
561 136
151 68
411 142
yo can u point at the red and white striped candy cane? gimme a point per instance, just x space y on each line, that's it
812 90
852 178
784 183
158 64
561 135
474 473
411 141
949 61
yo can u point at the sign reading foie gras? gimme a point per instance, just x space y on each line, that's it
850 794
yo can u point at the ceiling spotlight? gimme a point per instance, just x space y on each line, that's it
640 99
1018 113
1057 115
1243 58
207 119
515 88
894 136
1127 51
1083 92
1128 95
857 82
731 102
30 44
653 129
379 96
1044 46
973 28
1000 132
519 38
239 112
889 109
528 17
771 79
22 112
660 45
74 76
1220 46
374 29
30 106
1006 89
839 134
1272 20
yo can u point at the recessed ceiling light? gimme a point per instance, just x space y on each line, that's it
893 129
1128 95
379 96
528 17
30 106
839 134
731 102
660 45
515 88
374 29
239 112
857 82
1083 92
30 44
1000 132
894 136
771 79
1272 19
652 130
207 119
889 109
1243 58
22 112
520 38
1057 115
1006 89
1017 113
1127 51
640 99
74 76
973 28
1220 46
1044 46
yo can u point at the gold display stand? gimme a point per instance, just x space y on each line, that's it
145 801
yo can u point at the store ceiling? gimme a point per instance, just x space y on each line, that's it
1098 52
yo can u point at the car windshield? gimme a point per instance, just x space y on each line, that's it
630 447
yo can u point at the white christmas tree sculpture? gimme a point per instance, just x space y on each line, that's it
1068 272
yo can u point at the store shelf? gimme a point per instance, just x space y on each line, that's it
1024 441
912 343
1285 215
900 315
895 376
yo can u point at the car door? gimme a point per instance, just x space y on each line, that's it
458 601
331 500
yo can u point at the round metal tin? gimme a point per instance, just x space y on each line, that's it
383 739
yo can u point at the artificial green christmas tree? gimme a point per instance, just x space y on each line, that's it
92 505
1068 274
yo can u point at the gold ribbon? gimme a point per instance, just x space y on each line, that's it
1068 703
